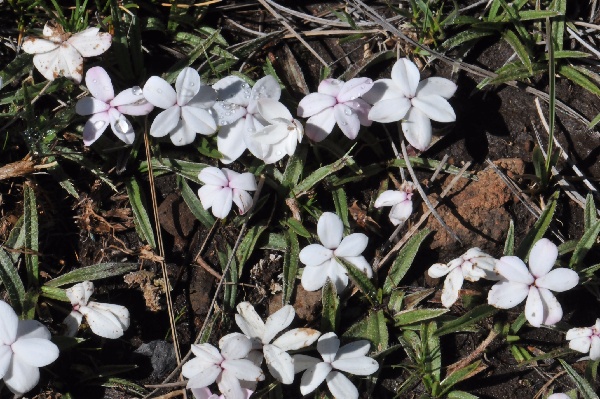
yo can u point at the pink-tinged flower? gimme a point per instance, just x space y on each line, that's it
400 201
322 260
186 111
586 339
205 393
237 112
404 98
535 284
61 54
336 102
24 347
227 367
222 186
351 358
106 109
279 362
277 139
471 266
105 319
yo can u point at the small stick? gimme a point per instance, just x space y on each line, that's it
475 354
439 168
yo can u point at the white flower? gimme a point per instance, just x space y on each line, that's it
280 137
586 339
105 319
400 201
106 109
237 113
350 358
227 367
222 186
322 260
61 53
471 266
186 111
24 347
205 393
534 284
336 102
279 362
403 97
559 396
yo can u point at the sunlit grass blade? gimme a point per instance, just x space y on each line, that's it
30 226
141 219
290 266
331 311
372 328
93 272
404 260
193 202
12 282
539 228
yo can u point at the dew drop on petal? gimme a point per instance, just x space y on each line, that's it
344 123
99 124
137 90
348 112
278 153
159 91
94 81
251 130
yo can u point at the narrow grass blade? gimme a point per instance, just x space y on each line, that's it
193 202
11 281
290 266
93 272
538 230
330 314
404 260
140 216
467 320
509 244
30 226
372 328
584 387
361 281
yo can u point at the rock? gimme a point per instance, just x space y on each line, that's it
161 354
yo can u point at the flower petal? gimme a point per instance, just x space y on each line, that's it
438 86
99 84
595 348
72 323
320 125
159 93
313 377
452 286
296 339
228 113
435 108
352 245
242 199
406 76
328 346
330 229
272 110
507 294
166 122
280 364
35 45
389 198
401 212
558 280
552 310
203 393
121 127
235 346
140 107
362 365
94 128
199 120
278 322
37 352
340 386
102 322
90 105
243 369
303 362
390 110
583 332
207 194
183 134
221 205
580 344
354 88
330 87
249 321
438 270
266 87
542 257
21 377
90 42
32 329
207 353
205 99
243 181
213 176
314 103
187 85
347 120
233 90
417 129
230 386
230 141
200 378
314 277
5 358
513 269
534 307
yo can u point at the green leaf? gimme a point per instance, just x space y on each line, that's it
372 328
275 241
297 227
295 167
396 301
466 36
578 78
247 245
509 244
588 239
538 230
590 214
558 23
341 205
91 273
55 293
513 71
404 260
529 15
16 240
193 202
584 387
467 320
411 343
522 51
140 216
319 174
125 385
360 280
431 350
12 282
407 317
594 122
461 395
189 170
458 376
30 226
330 314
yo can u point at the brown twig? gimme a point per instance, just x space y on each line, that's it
475 354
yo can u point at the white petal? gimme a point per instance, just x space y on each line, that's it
507 294
5 358
296 339
354 88
230 141
91 42
35 45
331 87
243 181
72 323
242 199
542 257
243 369
94 127
340 386
76 294
90 105
314 103
452 285
213 176
159 93
230 386
438 270
406 76
187 85
347 120
271 134
330 229
552 310
102 322
417 129
281 365
99 84
221 205
35 352
362 109
513 269
438 86
207 353
272 110
314 277
328 346
203 393
183 134
337 273
383 89
266 87
207 195
205 99
202 378
233 90
235 346
320 125
435 108
166 122
278 322
249 321
228 113
8 324
32 329
595 348
583 332
354 349
199 120
558 280
390 110
65 61
357 365
121 127
120 312
534 308
313 377
21 377
581 344
400 212
303 362
390 198
352 245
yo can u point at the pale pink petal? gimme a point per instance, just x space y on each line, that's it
558 280
203 393
330 87
121 127
362 365
233 90
552 310
36 352
406 76
391 110
328 346
400 212
280 364
507 294
580 344
383 89
303 362
352 245
207 194
452 285
534 308
235 346
417 129
222 202
266 87
243 181
314 277
362 109
187 85
35 45
435 108
198 120
315 254
166 122
438 86
205 99
542 257
159 93
330 229
277 322
595 348
91 42
21 377
389 198
242 199
575 333
213 176
354 88
513 269
272 110
296 339
200 378
94 127
313 377
132 102
90 105
347 120
340 386
99 84
314 103
230 141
